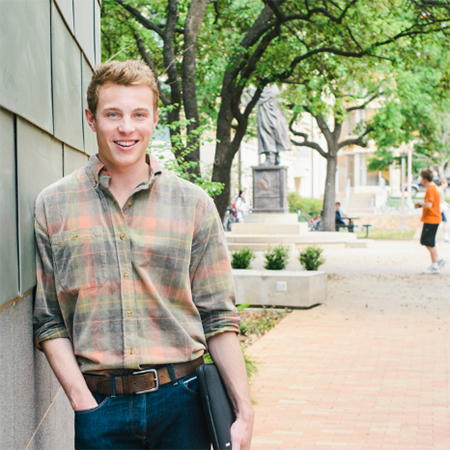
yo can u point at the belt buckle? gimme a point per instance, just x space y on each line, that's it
155 377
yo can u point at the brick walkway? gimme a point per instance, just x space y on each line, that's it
366 371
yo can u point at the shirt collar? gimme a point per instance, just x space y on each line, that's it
95 167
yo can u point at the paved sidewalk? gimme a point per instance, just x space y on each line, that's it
366 371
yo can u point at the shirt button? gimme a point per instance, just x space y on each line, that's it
129 313
131 351
122 236
95 185
125 275
130 202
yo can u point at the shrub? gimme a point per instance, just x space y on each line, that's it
242 259
276 258
311 257
307 205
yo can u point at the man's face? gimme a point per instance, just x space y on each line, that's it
124 124
337 206
425 182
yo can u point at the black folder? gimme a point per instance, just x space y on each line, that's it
219 411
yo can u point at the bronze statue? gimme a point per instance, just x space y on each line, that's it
273 134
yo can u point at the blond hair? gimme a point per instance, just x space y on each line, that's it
125 73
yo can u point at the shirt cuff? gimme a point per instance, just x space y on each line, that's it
220 321
52 333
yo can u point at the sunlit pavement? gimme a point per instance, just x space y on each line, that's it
368 370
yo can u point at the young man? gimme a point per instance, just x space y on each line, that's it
134 284
340 214
431 218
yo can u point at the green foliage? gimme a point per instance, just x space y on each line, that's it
261 326
305 204
276 258
242 259
178 162
311 257
243 306
416 108
388 233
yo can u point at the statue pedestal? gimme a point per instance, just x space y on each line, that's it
270 193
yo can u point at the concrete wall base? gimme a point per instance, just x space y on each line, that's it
292 289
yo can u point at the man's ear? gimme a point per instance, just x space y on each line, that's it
155 122
91 119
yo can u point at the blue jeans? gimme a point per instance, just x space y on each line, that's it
171 418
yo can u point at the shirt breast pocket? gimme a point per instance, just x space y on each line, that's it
80 259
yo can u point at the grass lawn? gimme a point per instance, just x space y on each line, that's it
383 233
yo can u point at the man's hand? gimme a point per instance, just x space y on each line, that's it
424 205
59 353
241 433
83 401
226 353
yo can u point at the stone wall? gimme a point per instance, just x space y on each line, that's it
48 49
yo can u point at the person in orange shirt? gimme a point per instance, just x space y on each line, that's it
431 218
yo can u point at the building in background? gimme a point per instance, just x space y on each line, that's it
48 51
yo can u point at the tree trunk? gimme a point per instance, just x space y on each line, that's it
171 68
192 26
223 159
329 200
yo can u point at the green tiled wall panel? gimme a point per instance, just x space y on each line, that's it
9 282
67 103
39 165
25 76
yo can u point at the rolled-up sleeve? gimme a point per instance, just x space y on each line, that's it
48 321
211 277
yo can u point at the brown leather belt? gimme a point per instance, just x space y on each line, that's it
148 380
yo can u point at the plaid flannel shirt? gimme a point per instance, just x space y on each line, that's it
136 286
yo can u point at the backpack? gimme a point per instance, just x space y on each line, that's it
234 210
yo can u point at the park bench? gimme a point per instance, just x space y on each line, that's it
350 227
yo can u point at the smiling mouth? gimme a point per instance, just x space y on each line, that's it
125 144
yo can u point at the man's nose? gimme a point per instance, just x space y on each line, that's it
126 125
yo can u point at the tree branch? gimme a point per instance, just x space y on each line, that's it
364 105
324 128
305 142
141 19
359 141
150 64
312 145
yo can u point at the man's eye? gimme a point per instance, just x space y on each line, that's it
140 115
111 115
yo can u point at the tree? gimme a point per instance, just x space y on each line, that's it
168 21
433 149
262 42
329 90
417 110
286 34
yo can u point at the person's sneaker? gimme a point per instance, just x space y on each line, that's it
441 263
431 271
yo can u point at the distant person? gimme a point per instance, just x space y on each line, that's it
241 206
444 209
431 218
340 215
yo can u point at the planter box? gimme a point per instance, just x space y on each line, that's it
294 289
